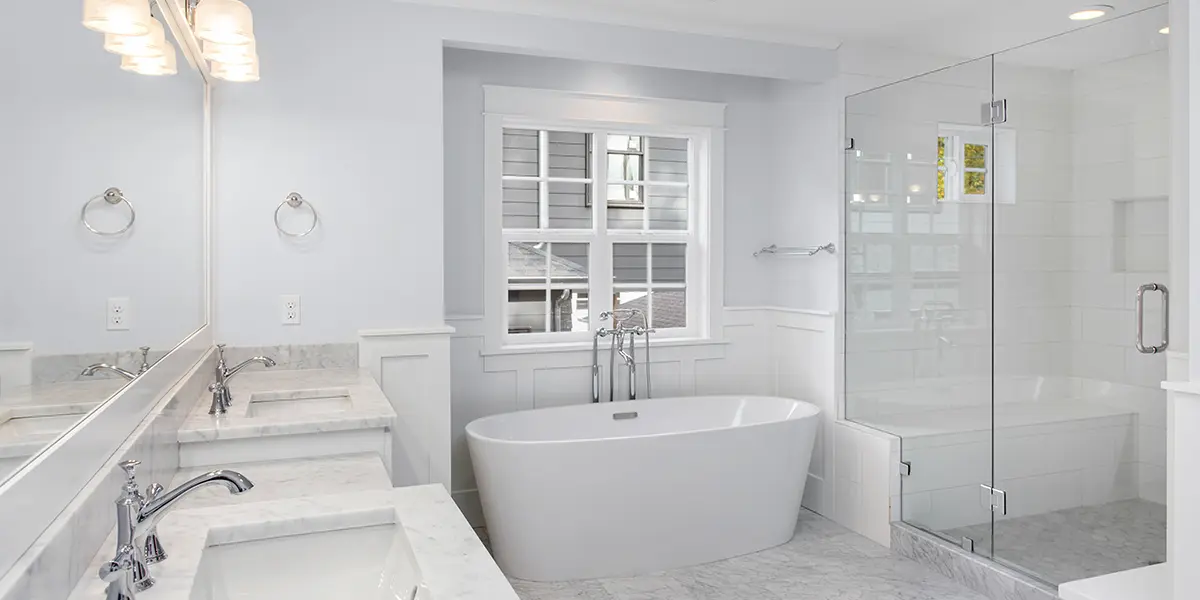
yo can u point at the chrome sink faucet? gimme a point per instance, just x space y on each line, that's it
222 398
137 516
93 369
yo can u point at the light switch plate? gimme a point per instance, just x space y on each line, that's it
289 306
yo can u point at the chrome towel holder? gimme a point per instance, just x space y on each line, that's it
113 196
295 200
797 251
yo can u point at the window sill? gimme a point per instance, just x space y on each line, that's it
587 346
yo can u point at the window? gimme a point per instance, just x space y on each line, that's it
590 216
965 160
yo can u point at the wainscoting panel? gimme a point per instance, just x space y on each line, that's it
803 350
413 369
16 366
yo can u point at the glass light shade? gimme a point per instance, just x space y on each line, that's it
236 73
119 17
224 22
150 45
151 65
230 54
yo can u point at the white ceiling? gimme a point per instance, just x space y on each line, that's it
966 28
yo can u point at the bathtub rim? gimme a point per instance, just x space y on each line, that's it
812 412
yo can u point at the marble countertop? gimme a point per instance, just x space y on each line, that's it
368 406
453 563
296 478
73 392
17 441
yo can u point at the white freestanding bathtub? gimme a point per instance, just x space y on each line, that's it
622 488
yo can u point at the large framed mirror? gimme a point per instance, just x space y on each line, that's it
103 233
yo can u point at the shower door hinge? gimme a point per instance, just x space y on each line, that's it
968 544
849 143
995 113
994 499
905 468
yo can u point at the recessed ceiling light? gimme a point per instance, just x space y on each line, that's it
1165 30
1091 12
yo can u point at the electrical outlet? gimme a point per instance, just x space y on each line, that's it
290 307
118 314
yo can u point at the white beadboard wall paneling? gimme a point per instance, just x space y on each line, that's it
413 368
16 366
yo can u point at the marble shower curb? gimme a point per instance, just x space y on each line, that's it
972 570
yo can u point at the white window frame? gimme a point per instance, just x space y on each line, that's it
1001 151
701 123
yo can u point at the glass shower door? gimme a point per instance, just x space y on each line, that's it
1081 224
918 297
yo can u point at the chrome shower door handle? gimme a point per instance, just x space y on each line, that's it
1140 315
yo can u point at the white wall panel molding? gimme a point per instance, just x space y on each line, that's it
803 355
16 366
412 366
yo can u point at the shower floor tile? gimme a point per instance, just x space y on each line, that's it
823 562
1079 543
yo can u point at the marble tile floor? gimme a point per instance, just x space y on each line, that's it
823 562
1079 543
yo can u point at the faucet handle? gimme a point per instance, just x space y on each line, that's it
120 566
130 489
153 549
130 467
145 366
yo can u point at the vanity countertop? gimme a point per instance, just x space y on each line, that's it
69 392
452 561
367 406
293 478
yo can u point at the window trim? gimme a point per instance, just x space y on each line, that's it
1001 166
700 122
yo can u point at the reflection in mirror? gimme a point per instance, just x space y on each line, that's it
101 239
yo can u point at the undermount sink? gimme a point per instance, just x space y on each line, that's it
50 422
298 403
365 563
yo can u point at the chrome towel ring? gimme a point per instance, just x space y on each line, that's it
295 200
112 196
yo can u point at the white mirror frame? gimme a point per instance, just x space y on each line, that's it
34 496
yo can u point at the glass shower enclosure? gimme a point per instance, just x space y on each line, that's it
1006 233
